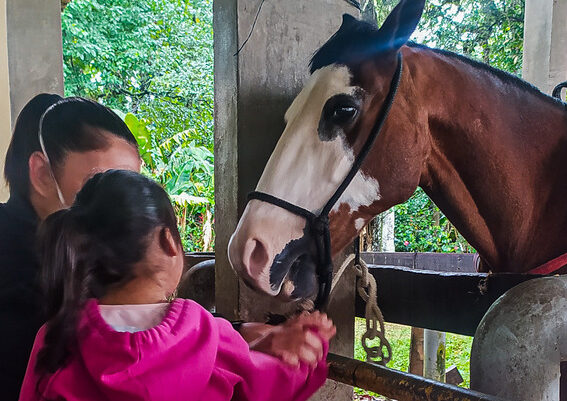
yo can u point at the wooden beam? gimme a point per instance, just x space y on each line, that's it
450 302
440 262
397 385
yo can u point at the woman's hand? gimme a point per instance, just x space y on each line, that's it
297 340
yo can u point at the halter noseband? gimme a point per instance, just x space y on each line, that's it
318 225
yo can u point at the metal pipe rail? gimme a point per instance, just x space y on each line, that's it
398 385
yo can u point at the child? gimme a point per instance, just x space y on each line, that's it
110 263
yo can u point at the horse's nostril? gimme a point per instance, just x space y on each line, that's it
256 258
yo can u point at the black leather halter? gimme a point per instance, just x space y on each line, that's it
318 225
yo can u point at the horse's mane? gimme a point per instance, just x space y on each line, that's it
504 76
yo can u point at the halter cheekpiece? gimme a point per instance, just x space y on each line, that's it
318 225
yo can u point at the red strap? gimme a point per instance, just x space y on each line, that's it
552 266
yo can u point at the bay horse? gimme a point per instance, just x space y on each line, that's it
488 148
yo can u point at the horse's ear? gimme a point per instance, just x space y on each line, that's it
401 23
348 22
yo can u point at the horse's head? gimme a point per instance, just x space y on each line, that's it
326 126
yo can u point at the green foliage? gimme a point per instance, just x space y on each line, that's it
490 31
457 347
152 62
185 169
422 227
153 58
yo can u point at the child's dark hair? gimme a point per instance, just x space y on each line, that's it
72 124
93 247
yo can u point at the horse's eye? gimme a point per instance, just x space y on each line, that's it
339 114
343 114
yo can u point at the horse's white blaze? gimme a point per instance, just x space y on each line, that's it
305 170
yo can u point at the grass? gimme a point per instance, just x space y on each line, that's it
458 350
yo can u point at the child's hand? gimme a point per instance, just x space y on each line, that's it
319 322
296 340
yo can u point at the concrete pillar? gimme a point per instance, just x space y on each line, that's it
35 53
253 88
545 41
31 59
5 117
387 231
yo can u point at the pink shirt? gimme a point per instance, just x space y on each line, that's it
189 355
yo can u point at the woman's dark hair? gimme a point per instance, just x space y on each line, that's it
71 124
93 247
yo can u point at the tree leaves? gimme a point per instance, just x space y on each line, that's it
153 58
152 62
489 31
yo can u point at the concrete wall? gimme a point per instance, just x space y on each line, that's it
545 41
34 49
252 91
31 59
5 109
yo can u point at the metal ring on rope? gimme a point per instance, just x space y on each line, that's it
375 329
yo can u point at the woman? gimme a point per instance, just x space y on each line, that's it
110 266
79 138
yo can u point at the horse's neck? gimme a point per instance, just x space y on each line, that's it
497 164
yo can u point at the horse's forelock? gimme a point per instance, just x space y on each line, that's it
346 45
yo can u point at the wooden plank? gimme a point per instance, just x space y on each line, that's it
442 262
192 258
450 302
405 259
452 262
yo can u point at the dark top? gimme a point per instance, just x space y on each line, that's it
19 293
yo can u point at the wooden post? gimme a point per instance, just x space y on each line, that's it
262 52
416 351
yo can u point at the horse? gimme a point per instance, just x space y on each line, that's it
488 148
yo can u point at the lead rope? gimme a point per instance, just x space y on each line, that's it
367 289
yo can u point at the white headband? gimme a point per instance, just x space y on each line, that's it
42 145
